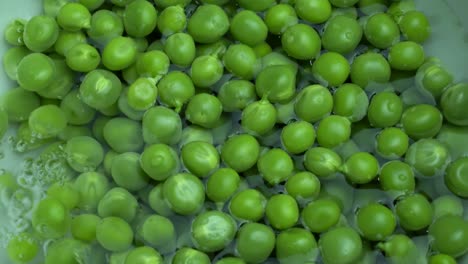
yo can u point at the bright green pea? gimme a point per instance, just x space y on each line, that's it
12 58
452 99
51 218
200 158
105 26
152 64
127 172
123 134
157 202
240 152
62 83
84 153
240 60
52 7
361 167
406 56
375 221
66 250
400 248
275 166
118 202
447 205
213 230
301 42
67 40
341 245
235 95
322 162
421 121
321 215
175 89
119 53
276 83
190 255
442 259
262 49
83 58
13 33
397 176
35 72
454 177
222 184
157 231
255 242
350 101
159 161
22 248
449 235
315 97
74 17
204 110
331 69
76 111
144 254
282 211
100 89
415 26
342 34
315 12
180 48
392 143
184 193
296 245
414 212
195 133
206 71
18 104
172 20
40 33
140 18
259 117
169 3
368 68
111 240
381 31
248 205
91 186
248 28
297 137
124 107
83 227
47 121
161 125
385 109
279 17
333 130
208 24
142 94
433 78
303 186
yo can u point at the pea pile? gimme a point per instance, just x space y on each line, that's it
233 132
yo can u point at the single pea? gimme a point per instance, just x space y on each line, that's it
13 33
22 247
200 158
161 125
111 240
235 95
222 184
206 71
452 99
75 110
66 250
64 193
248 205
240 60
368 68
361 167
123 134
333 130
447 205
315 12
240 152
83 58
397 176
52 7
433 78
277 83
74 17
255 242
262 49
11 59
47 121
415 26
144 254
100 89
119 53
159 161
331 69
67 40
259 117
275 166
142 94
180 48
449 235
92 4
454 177
190 255
208 23
51 218
301 42
350 101
442 259
282 211
84 153
118 202
296 245
127 173
171 20
392 143
18 104
175 89
35 72
40 33
124 107
385 109
381 31
303 186
195 133
316 97
83 227
320 215
62 83
248 28
342 34
204 110
157 202
429 157
184 193
212 231
341 245
91 186
279 17
140 18
158 232
421 121
399 247
375 222
406 56
105 26
297 137
322 162
414 212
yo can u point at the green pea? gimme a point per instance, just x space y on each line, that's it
208 23
240 60
342 34
322 162
200 158
12 58
275 166
52 7
375 221
230 260
282 211
159 161
184 193
195 133
105 26
27 140
83 58
127 172
343 3
47 121
321 215
381 30
406 56
277 83
453 177
414 212
22 248
360 168
140 18
75 110
248 205
217 48
248 28
212 231
40 33
190 255
142 94
206 71
392 143
123 134
18 104
83 227
315 12
399 248
370 67
158 232
350 101
433 78
84 153
385 109
204 110
421 121
100 89
62 83
66 250
296 245
175 89
72 131
91 186
333 130
262 49
180 48
51 218
341 245
297 137
415 26
397 176
453 98
303 186
442 259
315 97
255 242
240 152
259 117
111 240
118 202
449 235
123 104
171 20
279 17
13 33
35 72
74 17
447 205
161 125
370 7
119 53
92 4
157 203
428 157
331 69
222 184
398 9
235 95
301 42
144 254
67 40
